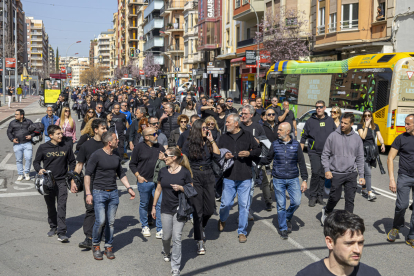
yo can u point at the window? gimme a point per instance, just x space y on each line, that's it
237 4
321 17
332 22
349 16
237 34
380 11
248 34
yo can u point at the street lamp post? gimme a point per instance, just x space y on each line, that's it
258 54
66 60
4 64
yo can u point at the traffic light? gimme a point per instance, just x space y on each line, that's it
100 59
175 76
132 52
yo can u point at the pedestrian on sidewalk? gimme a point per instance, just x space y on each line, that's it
18 133
342 155
57 158
344 237
47 120
143 160
105 166
171 182
19 93
288 160
316 131
237 179
404 146
10 95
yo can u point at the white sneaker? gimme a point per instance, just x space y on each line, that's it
371 197
251 218
146 232
158 235
20 178
323 217
27 177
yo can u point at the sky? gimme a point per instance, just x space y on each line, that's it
69 21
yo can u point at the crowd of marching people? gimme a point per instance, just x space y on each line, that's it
188 156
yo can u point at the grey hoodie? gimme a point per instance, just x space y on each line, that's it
343 153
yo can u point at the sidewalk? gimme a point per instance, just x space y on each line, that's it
30 105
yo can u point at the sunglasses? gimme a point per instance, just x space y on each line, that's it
270 114
334 112
211 124
90 112
211 102
319 107
367 115
99 107
183 122
244 114
67 111
229 101
153 124
152 134
167 155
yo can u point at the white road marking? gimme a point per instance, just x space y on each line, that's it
290 240
30 186
19 194
4 162
37 120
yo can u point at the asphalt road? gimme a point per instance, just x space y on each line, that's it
26 249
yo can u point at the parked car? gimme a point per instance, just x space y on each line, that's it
302 120
184 87
182 95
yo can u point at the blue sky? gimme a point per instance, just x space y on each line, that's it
69 21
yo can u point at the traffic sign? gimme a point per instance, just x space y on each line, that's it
177 69
137 51
62 70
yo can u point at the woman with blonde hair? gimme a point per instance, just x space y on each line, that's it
90 113
171 182
68 126
336 114
369 131
212 125
86 133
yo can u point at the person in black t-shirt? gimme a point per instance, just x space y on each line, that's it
288 116
171 180
201 149
105 167
344 237
99 127
366 130
184 135
208 109
404 145
276 107
121 125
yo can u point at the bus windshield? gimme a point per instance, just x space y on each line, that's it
127 82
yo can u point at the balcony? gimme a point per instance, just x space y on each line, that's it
130 15
175 5
332 27
131 26
159 59
175 27
349 25
245 12
156 41
191 32
176 48
245 43
321 29
198 57
156 23
155 5
191 5
138 2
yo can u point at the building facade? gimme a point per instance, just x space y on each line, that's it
92 54
37 43
77 65
403 21
104 53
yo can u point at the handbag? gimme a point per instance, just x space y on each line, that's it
377 154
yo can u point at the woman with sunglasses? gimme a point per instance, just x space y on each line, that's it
336 114
68 126
201 149
212 126
110 124
90 113
171 180
221 115
368 131
182 121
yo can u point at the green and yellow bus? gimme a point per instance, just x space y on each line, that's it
383 83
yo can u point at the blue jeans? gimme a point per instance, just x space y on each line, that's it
25 149
295 194
145 190
230 188
105 205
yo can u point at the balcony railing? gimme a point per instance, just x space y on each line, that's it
175 5
155 23
349 25
144 2
246 42
156 41
191 5
154 5
176 47
332 27
321 29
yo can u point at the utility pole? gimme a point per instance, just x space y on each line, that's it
4 63
257 55
15 52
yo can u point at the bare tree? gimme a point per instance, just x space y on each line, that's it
92 75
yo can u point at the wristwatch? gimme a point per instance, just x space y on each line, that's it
129 188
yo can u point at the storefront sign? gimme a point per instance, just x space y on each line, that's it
210 8
250 59
183 75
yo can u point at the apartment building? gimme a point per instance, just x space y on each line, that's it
92 54
52 59
78 65
141 21
345 28
37 42
103 57
190 37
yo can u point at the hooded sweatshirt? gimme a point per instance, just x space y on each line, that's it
56 158
316 131
343 153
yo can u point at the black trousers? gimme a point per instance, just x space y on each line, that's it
79 113
204 203
89 219
121 138
349 181
57 216
318 176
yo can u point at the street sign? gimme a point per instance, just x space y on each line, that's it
137 51
250 59
70 75
62 70
141 72
194 72
410 74
177 69
125 75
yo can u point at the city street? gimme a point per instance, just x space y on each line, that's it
26 249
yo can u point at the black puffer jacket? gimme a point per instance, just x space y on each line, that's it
271 133
169 124
19 130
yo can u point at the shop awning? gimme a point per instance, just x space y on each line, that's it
226 56
241 59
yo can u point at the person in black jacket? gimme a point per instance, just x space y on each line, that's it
154 101
61 102
237 179
168 121
140 112
18 133
57 158
286 155
316 131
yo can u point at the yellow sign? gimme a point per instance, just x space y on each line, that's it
51 95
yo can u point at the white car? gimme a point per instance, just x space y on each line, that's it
183 87
302 120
